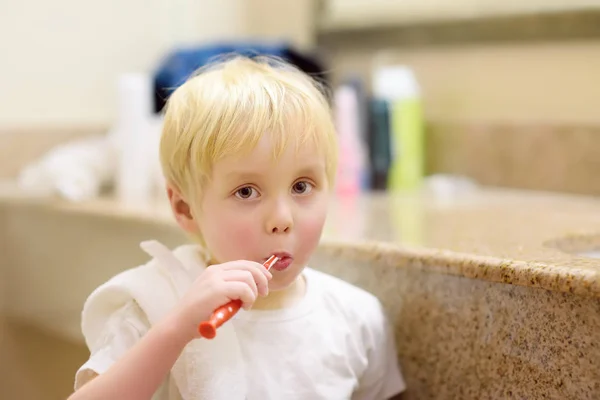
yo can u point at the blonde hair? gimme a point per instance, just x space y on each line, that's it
226 107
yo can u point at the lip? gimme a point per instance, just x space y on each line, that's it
285 260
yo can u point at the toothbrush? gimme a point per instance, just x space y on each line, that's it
208 329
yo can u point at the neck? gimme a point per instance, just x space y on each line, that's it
284 298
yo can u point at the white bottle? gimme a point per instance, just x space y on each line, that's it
136 138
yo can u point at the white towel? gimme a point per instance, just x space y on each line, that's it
77 170
206 369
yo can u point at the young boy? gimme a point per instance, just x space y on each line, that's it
249 154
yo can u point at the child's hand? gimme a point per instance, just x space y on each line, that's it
218 285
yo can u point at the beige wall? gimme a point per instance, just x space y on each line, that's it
60 59
290 20
533 83
341 14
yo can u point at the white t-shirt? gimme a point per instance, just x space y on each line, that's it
333 344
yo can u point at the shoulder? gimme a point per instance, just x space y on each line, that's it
125 286
114 303
149 290
356 304
363 320
336 289
119 331
161 278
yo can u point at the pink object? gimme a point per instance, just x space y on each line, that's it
352 161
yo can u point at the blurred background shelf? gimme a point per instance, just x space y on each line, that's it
359 15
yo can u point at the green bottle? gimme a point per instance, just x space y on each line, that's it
398 86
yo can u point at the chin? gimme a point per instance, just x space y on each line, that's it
283 281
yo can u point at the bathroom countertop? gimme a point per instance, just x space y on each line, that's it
510 236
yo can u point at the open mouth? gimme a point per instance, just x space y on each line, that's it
285 260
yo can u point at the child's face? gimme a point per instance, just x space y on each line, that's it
255 206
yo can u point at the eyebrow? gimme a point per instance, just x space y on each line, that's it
311 168
245 175
242 175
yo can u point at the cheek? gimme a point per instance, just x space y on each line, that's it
310 230
230 236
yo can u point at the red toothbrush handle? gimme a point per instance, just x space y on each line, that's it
208 329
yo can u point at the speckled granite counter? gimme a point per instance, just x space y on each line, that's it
516 237
486 300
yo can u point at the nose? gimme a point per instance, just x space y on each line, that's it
280 218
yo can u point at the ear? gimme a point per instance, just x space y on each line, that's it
181 210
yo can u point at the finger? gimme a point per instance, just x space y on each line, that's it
259 281
240 290
257 271
247 265
241 276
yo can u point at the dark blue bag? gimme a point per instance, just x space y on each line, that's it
178 66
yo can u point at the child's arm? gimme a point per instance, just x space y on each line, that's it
139 373
142 369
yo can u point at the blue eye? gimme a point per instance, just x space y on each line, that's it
247 192
302 187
